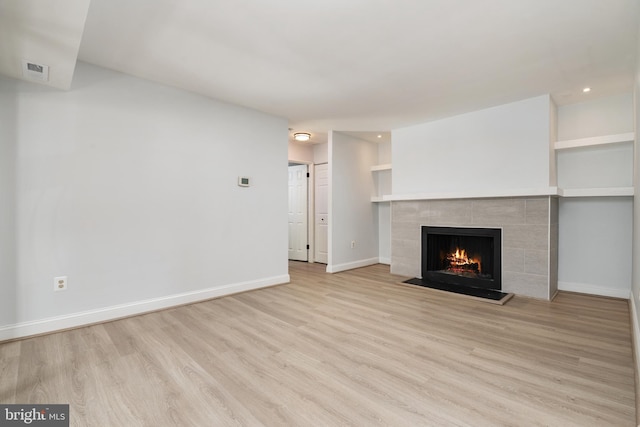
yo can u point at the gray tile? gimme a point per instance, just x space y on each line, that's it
529 285
537 211
423 210
513 260
553 285
405 231
553 261
402 268
536 262
553 235
448 212
404 211
498 211
405 249
525 236
553 210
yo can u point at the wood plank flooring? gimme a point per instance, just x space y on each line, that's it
353 348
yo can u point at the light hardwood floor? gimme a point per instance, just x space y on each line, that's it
353 348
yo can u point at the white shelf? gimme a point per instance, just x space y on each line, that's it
597 192
550 191
596 140
380 199
385 167
380 168
525 192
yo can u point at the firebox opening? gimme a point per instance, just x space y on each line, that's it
462 256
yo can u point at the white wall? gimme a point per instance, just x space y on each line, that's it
300 153
599 166
595 244
352 216
604 116
384 153
553 137
8 133
320 153
596 167
316 153
500 148
635 287
130 189
384 209
383 178
384 232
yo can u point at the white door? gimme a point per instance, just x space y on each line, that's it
322 213
298 213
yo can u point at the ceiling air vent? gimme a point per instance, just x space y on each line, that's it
33 71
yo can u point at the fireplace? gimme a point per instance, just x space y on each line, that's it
469 257
529 238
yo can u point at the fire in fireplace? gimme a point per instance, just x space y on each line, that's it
459 263
462 256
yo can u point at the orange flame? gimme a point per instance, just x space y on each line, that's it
460 259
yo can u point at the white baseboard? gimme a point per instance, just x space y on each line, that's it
351 265
594 290
386 261
73 320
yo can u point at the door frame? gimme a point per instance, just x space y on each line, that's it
311 192
315 223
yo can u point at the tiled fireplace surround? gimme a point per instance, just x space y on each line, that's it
529 237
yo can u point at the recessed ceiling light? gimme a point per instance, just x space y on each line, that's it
586 89
302 136
379 136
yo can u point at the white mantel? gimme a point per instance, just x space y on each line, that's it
528 192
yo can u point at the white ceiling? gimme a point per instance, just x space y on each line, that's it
349 65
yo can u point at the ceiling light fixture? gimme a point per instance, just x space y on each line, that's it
379 136
586 89
302 136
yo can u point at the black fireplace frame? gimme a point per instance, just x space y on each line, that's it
495 233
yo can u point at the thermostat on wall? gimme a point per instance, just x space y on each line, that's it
31 70
243 181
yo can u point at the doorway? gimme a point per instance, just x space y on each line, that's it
298 213
321 213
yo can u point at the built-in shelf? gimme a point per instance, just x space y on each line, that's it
596 140
597 192
621 138
551 191
380 199
528 192
386 177
385 167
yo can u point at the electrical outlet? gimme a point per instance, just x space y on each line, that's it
60 283
353 244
